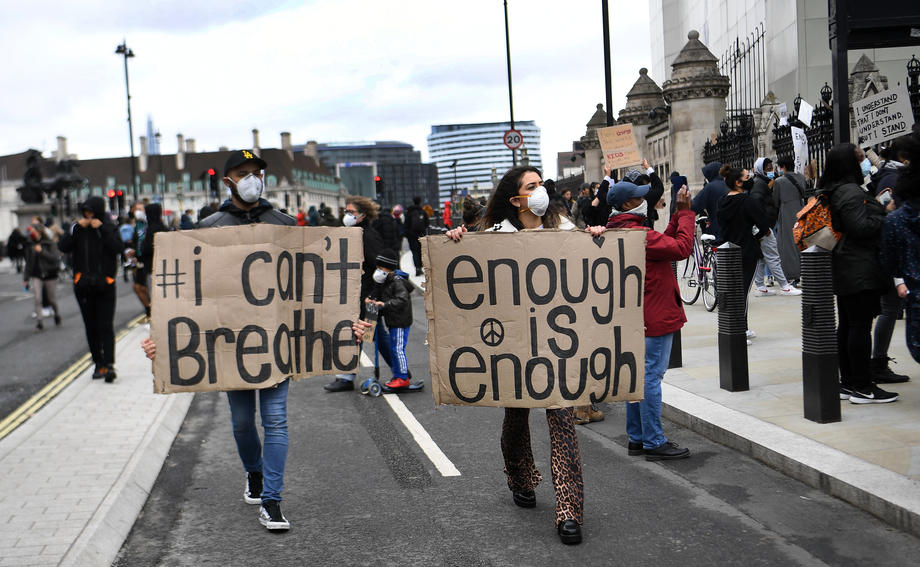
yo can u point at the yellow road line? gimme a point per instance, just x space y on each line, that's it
53 388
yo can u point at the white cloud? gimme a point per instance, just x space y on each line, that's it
329 70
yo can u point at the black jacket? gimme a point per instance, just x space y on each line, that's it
707 200
43 265
738 215
416 221
373 245
389 230
394 293
94 250
655 193
763 196
230 215
154 213
855 260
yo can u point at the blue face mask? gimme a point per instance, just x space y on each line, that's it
866 166
770 175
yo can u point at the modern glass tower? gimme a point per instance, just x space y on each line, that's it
468 155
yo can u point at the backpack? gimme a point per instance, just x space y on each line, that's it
417 221
813 225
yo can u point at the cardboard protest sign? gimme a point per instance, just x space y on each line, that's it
883 116
619 146
245 307
535 319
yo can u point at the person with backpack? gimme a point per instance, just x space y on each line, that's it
41 271
859 279
416 227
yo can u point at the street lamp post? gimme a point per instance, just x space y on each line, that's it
126 52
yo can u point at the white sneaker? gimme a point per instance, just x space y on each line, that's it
749 343
762 291
791 291
271 517
750 334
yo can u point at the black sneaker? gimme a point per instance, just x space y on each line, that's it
97 373
108 373
253 492
845 393
635 449
883 374
271 517
667 452
340 385
872 395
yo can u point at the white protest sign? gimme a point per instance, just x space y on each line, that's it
800 149
806 111
883 116
783 115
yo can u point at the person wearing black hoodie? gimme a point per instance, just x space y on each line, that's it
263 461
707 200
762 194
95 246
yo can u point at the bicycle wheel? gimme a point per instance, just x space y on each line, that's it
708 291
687 280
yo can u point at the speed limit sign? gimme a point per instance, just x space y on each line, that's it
513 139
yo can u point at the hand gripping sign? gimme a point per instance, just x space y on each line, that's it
536 318
246 307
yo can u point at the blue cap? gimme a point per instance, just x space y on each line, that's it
624 191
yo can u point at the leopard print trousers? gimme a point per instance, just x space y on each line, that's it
565 459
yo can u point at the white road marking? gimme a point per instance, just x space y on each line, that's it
366 360
425 442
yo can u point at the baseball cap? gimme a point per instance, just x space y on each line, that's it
632 175
624 191
239 157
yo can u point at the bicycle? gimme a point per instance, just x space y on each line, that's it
695 274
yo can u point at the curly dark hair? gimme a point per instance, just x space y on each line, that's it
499 206
908 184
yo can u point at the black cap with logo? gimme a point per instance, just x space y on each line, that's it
239 157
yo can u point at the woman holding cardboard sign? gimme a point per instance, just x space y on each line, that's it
520 202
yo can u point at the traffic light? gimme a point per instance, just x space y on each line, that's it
121 200
112 203
212 182
378 181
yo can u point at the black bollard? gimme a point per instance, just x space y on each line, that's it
676 360
733 360
820 385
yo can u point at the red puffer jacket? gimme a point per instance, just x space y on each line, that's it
664 312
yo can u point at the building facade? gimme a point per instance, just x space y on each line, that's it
398 165
471 156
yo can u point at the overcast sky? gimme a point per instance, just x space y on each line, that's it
325 70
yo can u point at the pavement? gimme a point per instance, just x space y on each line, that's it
75 475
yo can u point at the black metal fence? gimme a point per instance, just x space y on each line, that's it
820 133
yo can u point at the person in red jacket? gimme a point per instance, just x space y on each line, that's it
664 313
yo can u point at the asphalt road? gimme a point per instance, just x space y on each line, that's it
359 491
30 359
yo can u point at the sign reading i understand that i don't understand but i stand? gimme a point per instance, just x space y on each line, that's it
536 318
246 307
883 116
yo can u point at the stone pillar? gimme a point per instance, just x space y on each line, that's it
180 152
286 144
594 157
641 100
255 142
142 158
696 92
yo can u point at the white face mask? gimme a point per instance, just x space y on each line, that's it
379 276
249 188
538 201
349 219
140 216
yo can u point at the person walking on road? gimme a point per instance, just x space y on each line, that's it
41 271
859 280
416 226
361 212
95 246
263 462
520 202
664 313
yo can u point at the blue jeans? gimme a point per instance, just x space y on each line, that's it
643 419
273 409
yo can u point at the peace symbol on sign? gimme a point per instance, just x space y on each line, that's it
492 332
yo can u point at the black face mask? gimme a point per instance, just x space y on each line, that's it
748 185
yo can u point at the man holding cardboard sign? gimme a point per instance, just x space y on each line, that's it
264 466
